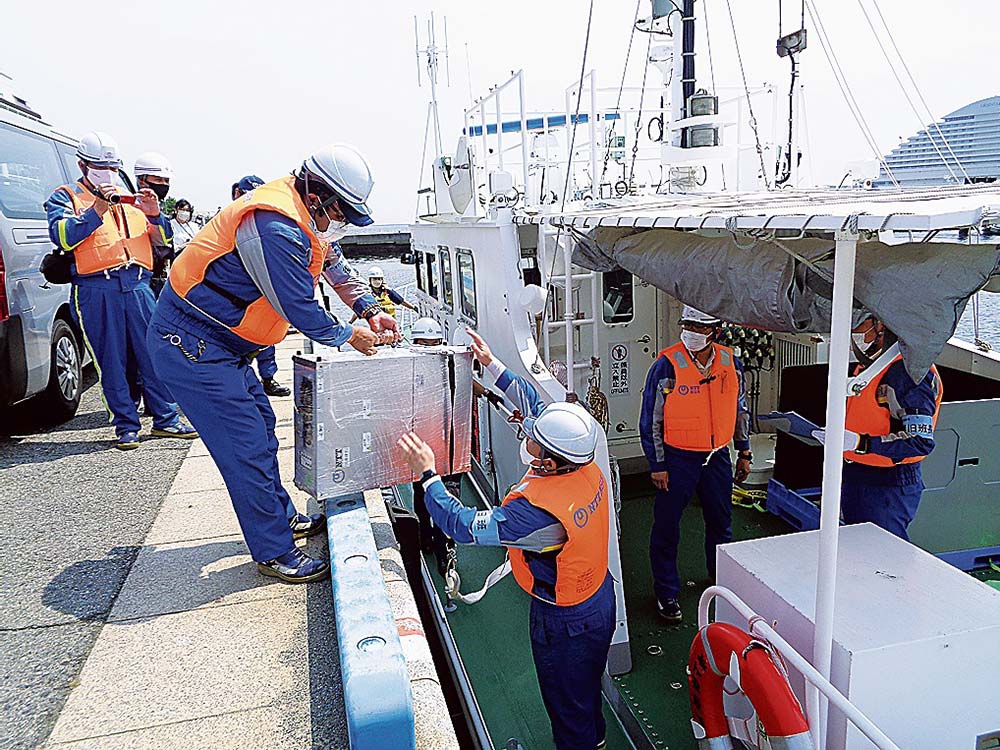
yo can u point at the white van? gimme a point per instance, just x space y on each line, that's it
40 347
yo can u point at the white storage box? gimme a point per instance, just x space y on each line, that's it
351 409
916 641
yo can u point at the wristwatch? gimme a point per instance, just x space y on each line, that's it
864 443
429 474
745 454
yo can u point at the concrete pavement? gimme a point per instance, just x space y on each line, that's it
199 650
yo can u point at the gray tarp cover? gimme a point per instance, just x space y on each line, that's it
919 290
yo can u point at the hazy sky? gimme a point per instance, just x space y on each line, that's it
225 89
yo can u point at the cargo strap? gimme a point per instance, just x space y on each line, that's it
453 582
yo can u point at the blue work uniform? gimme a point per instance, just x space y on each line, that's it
207 366
112 309
569 644
889 495
710 474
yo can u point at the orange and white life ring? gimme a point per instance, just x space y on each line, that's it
721 650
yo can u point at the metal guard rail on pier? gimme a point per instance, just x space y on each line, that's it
759 627
378 700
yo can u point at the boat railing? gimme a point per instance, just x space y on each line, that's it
758 626
406 317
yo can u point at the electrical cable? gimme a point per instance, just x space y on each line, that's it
618 103
638 117
916 88
746 89
845 89
909 100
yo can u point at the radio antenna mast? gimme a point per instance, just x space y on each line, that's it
429 55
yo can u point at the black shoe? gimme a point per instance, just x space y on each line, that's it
295 567
670 610
303 525
273 388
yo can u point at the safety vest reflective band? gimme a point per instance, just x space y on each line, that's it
579 501
122 238
383 299
699 414
261 323
868 414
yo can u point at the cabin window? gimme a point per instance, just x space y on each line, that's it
29 172
432 275
419 267
467 279
446 288
617 292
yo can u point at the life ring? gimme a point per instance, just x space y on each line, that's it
721 650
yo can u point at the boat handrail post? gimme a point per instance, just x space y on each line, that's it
524 135
757 625
846 245
595 187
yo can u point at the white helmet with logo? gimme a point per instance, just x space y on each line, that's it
692 315
99 149
345 172
566 430
153 164
375 272
426 328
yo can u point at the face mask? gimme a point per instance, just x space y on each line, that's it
334 232
377 282
859 341
160 190
183 216
100 176
694 342
526 457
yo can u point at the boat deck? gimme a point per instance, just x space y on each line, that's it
492 635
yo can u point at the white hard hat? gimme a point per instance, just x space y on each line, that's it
692 315
344 171
426 328
153 163
567 430
375 272
99 149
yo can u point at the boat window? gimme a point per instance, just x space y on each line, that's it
29 172
616 290
446 288
432 275
467 278
419 267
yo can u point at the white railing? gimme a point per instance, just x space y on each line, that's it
756 625
404 315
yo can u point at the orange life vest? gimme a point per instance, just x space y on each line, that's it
261 323
699 414
868 414
122 238
579 500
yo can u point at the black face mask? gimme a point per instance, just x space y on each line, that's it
160 190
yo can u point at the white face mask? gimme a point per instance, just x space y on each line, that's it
334 232
183 216
100 176
694 341
526 457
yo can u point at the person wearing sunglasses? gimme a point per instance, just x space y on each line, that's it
247 275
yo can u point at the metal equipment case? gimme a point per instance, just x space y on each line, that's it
351 409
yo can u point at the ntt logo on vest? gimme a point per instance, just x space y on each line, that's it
684 390
582 515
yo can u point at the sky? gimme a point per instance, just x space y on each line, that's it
227 89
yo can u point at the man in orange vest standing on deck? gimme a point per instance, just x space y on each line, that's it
111 243
693 405
890 431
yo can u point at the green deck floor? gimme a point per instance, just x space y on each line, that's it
492 635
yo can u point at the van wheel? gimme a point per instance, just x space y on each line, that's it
62 396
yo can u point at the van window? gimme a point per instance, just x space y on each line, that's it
29 172
467 278
616 290
446 287
432 275
419 267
